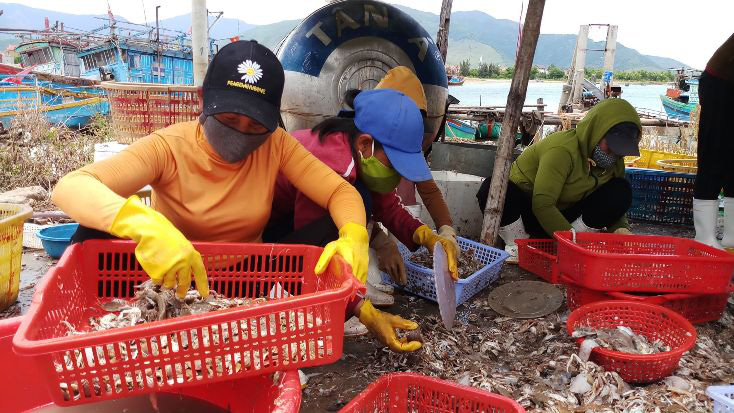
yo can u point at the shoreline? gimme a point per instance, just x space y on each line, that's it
474 80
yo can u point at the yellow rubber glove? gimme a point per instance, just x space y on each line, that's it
353 246
426 237
163 251
450 233
383 326
388 257
623 230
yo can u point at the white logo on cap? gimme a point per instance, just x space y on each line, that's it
251 71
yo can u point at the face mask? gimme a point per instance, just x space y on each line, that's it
231 145
604 160
376 176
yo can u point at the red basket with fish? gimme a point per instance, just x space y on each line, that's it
410 392
653 322
539 257
696 308
643 263
301 325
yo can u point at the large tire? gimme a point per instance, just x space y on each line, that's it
351 45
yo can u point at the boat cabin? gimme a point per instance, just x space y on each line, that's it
55 58
137 63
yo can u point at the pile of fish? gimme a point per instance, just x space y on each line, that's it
467 264
152 303
621 339
535 363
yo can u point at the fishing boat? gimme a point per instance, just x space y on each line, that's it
127 53
456 80
681 99
458 129
139 62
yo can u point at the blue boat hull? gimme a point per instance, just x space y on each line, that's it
71 117
677 110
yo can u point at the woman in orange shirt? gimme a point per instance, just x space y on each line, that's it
213 180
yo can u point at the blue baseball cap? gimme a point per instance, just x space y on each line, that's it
395 121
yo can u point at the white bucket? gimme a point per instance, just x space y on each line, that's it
459 191
105 150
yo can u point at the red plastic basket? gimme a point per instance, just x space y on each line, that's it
539 257
696 308
410 392
305 329
652 321
246 395
643 263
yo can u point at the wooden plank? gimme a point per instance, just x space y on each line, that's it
442 38
515 101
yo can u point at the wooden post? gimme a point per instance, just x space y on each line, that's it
442 38
513 113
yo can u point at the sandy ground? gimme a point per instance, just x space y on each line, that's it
332 386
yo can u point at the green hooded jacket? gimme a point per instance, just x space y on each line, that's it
558 172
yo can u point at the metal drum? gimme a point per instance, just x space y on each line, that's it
351 45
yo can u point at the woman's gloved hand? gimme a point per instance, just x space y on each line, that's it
165 254
450 233
353 246
426 237
388 257
383 326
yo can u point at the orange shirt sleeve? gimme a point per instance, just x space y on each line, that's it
94 194
320 183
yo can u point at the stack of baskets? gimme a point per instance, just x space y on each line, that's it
683 275
634 280
662 187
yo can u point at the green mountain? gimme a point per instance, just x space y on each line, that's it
474 35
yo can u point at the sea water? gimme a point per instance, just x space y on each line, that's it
494 93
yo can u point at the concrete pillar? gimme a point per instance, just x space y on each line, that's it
199 40
611 49
580 63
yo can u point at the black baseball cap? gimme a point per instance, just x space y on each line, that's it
624 139
245 77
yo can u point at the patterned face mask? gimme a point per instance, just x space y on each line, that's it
602 159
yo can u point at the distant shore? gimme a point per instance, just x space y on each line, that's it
616 83
483 80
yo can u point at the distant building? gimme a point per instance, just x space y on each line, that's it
9 55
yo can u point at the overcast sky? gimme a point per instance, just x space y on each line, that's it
681 29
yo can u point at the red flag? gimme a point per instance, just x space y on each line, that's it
46 23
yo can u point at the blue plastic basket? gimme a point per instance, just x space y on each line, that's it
723 397
421 281
661 196
55 239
